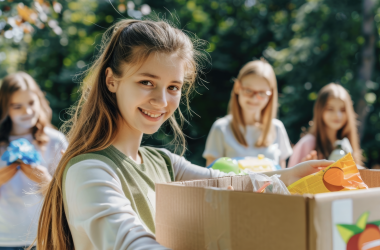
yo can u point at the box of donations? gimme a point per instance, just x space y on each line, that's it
202 214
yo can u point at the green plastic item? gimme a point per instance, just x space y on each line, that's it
226 165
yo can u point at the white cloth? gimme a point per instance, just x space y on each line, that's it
19 211
101 217
221 142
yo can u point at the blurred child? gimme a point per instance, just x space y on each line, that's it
250 128
24 113
102 195
334 119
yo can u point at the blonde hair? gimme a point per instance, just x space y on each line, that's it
264 69
324 146
93 124
11 84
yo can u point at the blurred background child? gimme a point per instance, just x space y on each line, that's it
334 119
24 113
250 128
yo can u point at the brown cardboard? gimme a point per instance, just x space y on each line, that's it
371 177
190 215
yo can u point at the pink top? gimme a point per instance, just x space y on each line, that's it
303 147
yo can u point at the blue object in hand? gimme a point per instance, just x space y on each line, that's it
21 150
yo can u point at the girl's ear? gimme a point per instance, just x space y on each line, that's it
237 87
111 83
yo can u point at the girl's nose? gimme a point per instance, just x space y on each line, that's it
159 99
28 110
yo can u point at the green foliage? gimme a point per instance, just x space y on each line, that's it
309 43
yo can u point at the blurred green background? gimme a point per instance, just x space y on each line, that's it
309 43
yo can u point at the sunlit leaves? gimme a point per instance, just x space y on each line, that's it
19 18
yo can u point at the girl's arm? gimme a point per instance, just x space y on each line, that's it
38 174
291 175
185 170
99 214
303 147
7 173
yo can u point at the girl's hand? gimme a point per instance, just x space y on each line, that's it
313 155
37 173
7 173
291 175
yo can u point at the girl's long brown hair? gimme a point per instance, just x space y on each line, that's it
93 122
264 69
323 145
11 84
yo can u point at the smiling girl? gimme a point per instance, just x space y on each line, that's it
24 113
250 128
334 119
103 193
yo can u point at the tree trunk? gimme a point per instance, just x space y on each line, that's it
367 61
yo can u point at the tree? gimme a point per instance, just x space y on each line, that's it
309 43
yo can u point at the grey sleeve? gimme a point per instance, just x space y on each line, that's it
184 170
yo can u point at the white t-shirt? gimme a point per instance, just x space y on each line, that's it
101 216
20 211
221 142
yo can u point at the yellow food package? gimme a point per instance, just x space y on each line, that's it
340 176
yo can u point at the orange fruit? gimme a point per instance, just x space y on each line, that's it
370 234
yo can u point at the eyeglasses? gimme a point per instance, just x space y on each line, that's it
259 94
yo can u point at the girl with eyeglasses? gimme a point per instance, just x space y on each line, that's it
250 128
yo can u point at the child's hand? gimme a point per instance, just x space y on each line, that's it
37 173
7 173
313 155
303 169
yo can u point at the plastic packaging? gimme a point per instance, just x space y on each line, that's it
342 175
240 165
21 150
226 165
257 164
267 184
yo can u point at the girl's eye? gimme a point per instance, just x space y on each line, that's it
175 88
247 91
16 107
31 103
146 83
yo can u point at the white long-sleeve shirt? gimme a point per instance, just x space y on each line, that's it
100 215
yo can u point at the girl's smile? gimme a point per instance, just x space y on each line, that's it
152 115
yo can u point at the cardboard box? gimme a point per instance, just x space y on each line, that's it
198 215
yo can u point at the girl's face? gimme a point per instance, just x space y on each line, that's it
254 93
334 115
24 109
148 94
